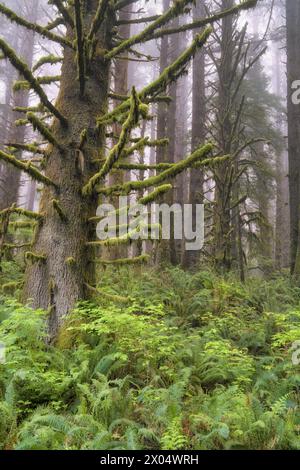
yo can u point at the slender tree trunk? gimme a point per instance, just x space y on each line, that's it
12 176
190 258
222 239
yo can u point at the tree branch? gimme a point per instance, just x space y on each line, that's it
177 168
34 27
80 46
116 151
63 11
24 70
98 19
27 168
147 33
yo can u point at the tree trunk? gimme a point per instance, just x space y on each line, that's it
293 74
10 175
58 279
191 258
222 227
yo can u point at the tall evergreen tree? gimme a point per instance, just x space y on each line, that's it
61 262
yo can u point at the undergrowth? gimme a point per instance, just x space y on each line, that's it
191 361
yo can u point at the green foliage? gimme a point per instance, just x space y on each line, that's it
191 361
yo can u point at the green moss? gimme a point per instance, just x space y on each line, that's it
34 257
161 83
34 27
71 261
147 33
63 11
44 130
27 74
24 85
116 151
153 196
28 148
98 19
27 168
59 210
177 168
48 59
143 259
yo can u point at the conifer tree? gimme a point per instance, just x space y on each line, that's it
61 261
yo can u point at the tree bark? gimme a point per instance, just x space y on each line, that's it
191 258
293 74
58 279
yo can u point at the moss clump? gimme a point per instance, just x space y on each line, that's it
33 82
70 261
27 167
35 257
165 175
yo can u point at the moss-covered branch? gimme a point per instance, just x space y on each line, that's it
34 27
175 10
116 151
153 196
201 22
124 3
80 46
111 297
55 23
44 130
49 59
27 168
143 167
143 259
98 19
63 11
161 83
34 257
141 144
177 168
59 210
146 19
40 108
24 70
25 85
27 148
23 212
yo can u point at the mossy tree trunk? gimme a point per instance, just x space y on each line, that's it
293 74
57 280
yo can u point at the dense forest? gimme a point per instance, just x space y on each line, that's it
149 225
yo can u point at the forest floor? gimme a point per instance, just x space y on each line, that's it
163 360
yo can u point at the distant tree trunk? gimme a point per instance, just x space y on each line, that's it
163 253
11 176
31 195
190 258
282 216
162 108
222 238
293 74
